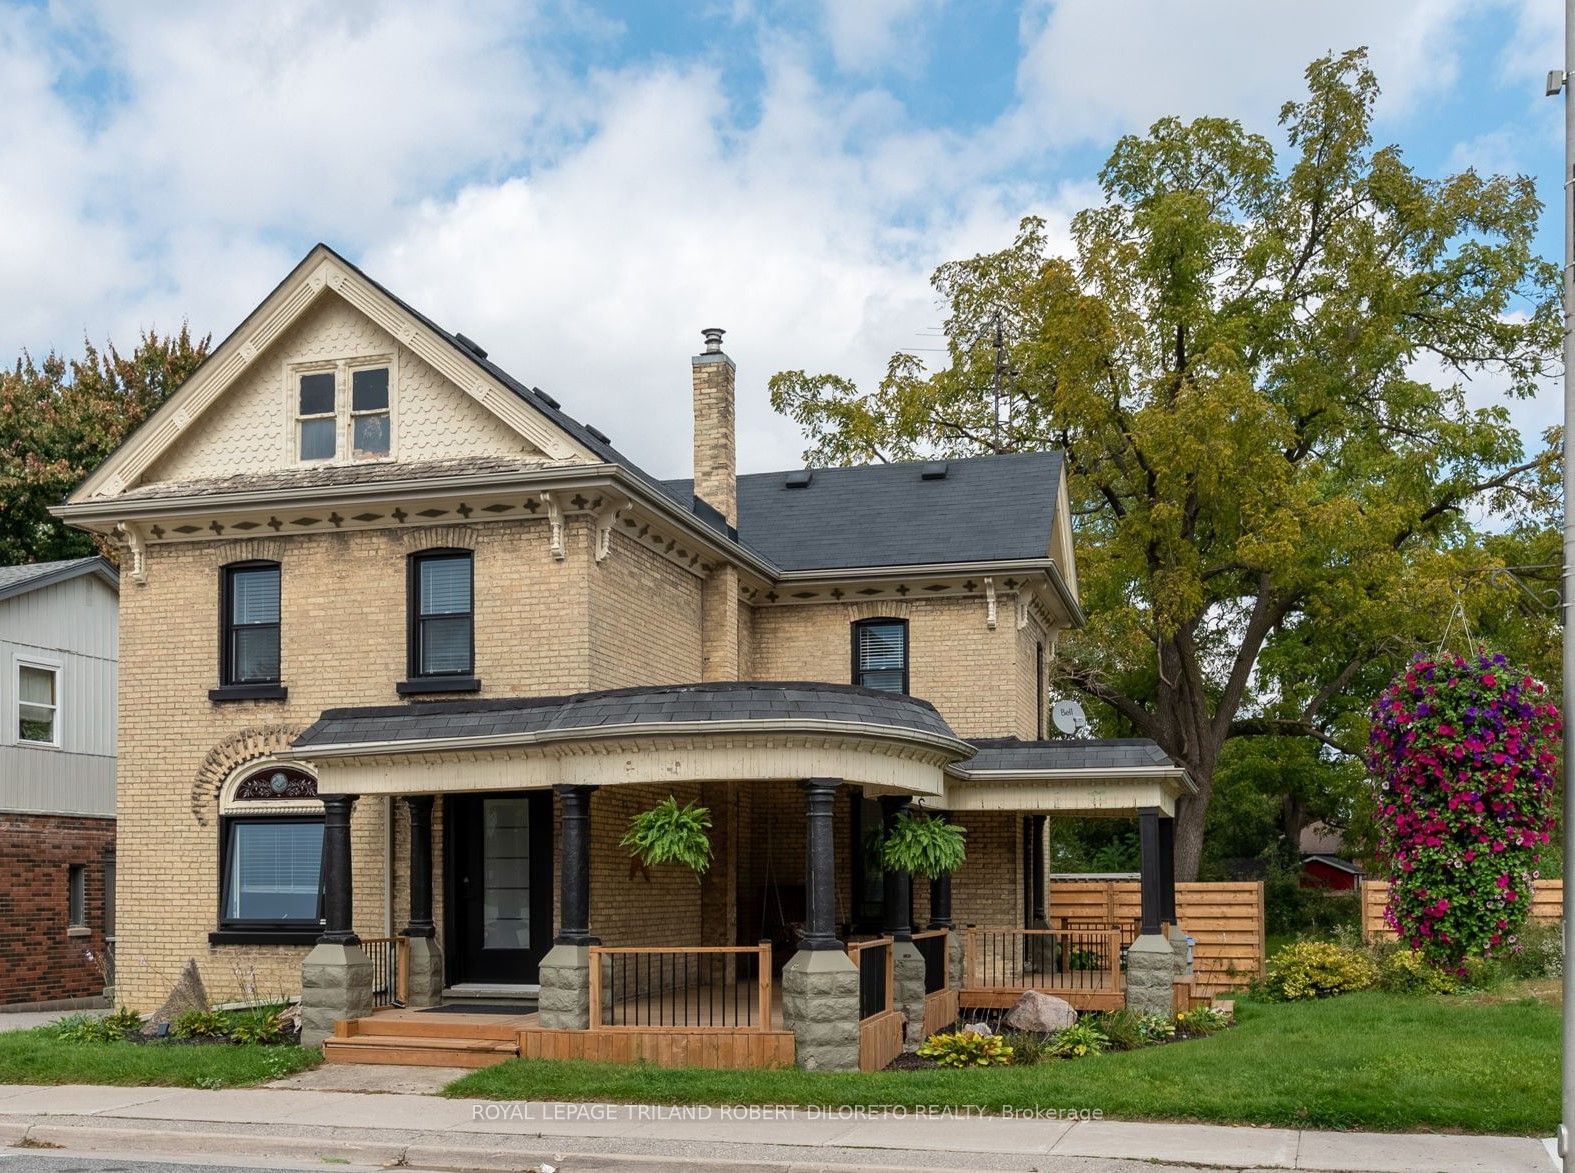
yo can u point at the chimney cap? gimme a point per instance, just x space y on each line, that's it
713 339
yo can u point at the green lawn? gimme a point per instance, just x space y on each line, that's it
37 1056
1362 1061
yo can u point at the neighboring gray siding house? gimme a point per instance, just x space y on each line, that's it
58 657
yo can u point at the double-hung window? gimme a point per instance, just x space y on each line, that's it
442 617
369 421
317 417
37 704
250 653
880 654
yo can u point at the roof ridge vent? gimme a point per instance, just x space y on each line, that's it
470 345
799 479
598 433
545 398
933 470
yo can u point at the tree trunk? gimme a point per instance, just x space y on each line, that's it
1189 827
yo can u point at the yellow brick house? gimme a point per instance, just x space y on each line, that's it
404 646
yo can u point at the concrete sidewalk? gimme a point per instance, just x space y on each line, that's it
426 1132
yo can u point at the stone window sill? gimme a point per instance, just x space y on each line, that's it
247 692
79 931
419 685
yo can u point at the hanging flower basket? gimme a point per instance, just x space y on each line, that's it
1464 755
924 846
669 833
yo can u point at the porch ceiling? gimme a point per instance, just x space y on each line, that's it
735 731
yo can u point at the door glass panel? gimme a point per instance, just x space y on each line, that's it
505 917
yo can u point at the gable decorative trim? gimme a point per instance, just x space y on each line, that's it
224 759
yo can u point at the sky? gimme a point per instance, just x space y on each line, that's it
581 186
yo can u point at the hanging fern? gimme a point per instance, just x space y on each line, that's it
924 846
669 833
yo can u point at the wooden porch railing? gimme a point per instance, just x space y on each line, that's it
931 945
706 987
875 962
1042 959
390 969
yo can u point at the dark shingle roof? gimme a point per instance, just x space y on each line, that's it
985 509
1008 753
19 580
330 476
728 701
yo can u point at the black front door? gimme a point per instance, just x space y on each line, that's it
500 874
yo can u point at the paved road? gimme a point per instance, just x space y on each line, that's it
26 1162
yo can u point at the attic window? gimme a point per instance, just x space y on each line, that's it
317 419
369 412
344 409
800 479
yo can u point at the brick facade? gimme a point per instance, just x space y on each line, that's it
42 955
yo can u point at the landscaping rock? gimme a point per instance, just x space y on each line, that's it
978 1028
1040 1013
188 994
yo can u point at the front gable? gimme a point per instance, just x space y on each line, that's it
239 413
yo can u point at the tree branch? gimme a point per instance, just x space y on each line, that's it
1287 727
1084 679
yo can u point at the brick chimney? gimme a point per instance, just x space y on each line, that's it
716 441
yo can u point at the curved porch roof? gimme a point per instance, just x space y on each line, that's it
729 731
1069 776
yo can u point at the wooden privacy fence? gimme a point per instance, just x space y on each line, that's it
700 988
390 958
1225 921
1547 906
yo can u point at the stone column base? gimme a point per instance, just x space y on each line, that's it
565 999
336 984
820 1005
907 988
1178 946
956 959
1151 971
424 982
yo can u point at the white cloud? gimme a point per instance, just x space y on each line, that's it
1092 70
876 34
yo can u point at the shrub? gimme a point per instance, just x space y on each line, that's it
200 1024
1538 952
1465 753
125 1020
1405 971
1122 1028
1029 1049
1202 1022
260 1027
1078 1040
964 1048
87 1028
1316 969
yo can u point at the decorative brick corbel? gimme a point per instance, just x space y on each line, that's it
989 603
555 522
606 518
136 552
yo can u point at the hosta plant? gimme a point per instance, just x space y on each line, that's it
965 1048
669 833
1080 1039
1464 753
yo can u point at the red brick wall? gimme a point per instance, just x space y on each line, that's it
40 959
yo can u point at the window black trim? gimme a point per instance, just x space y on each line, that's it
227 680
235 931
248 692
433 681
878 621
417 685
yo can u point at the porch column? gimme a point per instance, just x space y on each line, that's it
425 980
1150 960
941 918
1167 896
820 985
336 976
907 977
564 1000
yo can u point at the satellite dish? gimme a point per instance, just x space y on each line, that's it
1068 717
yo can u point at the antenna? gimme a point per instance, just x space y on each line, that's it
1069 718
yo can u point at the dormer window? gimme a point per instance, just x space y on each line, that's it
344 410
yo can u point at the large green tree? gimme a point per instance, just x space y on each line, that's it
60 418
1255 365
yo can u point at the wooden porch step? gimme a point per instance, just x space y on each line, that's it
502 1028
418 1051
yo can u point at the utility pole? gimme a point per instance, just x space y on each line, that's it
1559 82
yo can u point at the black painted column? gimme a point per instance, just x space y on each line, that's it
338 903
897 886
574 856
1167 871
941 894
820 864
1151 886
420 807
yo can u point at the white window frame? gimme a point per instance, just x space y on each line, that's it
43 664
344 415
